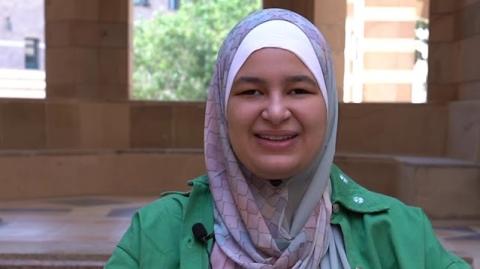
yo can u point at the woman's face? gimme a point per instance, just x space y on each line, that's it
276 114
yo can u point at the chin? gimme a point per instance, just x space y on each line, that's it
277 171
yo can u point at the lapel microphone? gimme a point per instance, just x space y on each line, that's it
202 236
200 233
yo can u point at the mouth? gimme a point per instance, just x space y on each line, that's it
276 138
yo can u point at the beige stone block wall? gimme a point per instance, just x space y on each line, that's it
88 55
469 57
454 73
402 129
464 130
115 11
305 7
385 178
86 136
151 125
430 187
469 90
63 125
437 93
71 125
59 173
167 125
187 125
444 66
442 28
53 125
454 55
22 125
329 17
442 6
104 125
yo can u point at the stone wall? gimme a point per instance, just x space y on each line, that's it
87 137
88 55
329 17
454 76
60 125
454 50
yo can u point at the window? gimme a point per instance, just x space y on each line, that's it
173 4
8 24
31 53
145 3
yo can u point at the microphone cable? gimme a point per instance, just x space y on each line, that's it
201 235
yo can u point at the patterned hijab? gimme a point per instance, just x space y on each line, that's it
258 225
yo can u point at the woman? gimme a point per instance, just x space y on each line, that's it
272 197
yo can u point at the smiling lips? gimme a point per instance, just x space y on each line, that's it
276 137
278 141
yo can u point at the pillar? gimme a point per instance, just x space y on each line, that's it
305 8
87 55
453 51
329 17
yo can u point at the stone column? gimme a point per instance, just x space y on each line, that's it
304 7
87 54
453 50
454 76
329 17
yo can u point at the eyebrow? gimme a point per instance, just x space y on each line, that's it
247 79
291 79
302 78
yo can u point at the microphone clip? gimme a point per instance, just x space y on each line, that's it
200 233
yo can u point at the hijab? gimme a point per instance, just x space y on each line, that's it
258 225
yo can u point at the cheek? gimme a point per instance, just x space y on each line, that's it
315 123
241 115
237 125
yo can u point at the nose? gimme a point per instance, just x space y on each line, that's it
276 110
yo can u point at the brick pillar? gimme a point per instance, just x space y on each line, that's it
87 54
454 76
329 17
453 50
305 8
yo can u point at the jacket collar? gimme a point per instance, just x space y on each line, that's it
345 191
354 197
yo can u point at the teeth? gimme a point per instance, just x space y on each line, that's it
276 137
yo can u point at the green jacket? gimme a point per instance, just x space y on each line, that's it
379 231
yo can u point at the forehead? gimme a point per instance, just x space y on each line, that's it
267 61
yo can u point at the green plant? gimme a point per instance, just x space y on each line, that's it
174 53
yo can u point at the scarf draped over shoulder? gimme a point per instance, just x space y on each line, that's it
251 227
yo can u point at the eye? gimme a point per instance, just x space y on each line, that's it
250 92
298 91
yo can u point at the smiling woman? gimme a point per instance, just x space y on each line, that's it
272 197
276 115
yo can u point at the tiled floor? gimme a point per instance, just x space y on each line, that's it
87 229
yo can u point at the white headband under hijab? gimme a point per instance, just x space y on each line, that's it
277 34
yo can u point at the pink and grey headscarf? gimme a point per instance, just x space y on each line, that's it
258 225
